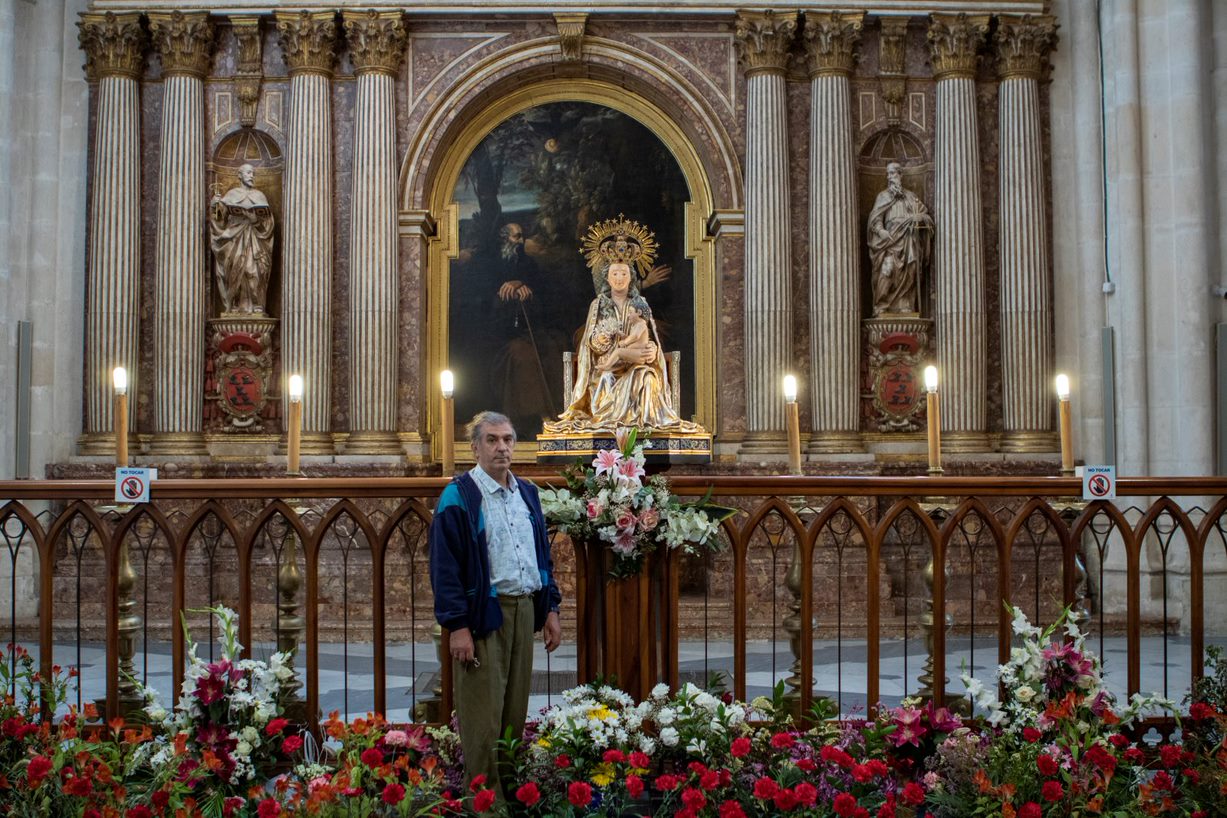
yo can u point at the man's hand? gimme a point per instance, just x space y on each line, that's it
515 289
657 275
551 634
460 645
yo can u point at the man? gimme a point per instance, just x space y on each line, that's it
899 232
492 575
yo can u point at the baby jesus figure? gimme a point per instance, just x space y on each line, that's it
634 332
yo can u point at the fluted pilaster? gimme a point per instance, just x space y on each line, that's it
1022 45
830 44
763 40
377 42
308 41
184 42
962 338
114 46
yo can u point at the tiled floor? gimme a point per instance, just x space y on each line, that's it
839 669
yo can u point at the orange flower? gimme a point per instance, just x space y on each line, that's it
983 782
91 711
1007 810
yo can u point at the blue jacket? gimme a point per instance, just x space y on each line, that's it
460 560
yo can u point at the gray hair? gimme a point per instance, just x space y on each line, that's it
484 418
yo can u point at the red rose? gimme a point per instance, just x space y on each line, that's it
1053 791
1047 764
1199 711
1119 740
1162 781
1134 756
394 793
562 761
139 811
913 794
291 745
37 770
694 798
1032 735
765 789
1030 810
887 810
1191 775
640 761
78 786
807 793
740 747
731 809
579 794
372 757
528 794
478 782
1169 754
833 755
785 799
807 764
160 799
275 726
268 808
634 786
782 741
844 804
666 782
613 757
483 801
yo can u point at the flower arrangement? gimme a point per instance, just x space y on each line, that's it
1056 744
227 730
612 501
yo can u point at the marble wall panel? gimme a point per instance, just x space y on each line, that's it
411 390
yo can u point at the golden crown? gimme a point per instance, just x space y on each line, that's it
620 240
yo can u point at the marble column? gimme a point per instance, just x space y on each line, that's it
114 46
1022 44
308 41
763 40
184 43
831 41
376 45
959 311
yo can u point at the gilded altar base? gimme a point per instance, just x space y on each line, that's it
661 449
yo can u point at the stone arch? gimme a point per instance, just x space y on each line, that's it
613 75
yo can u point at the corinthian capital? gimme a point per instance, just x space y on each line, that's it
308 40
1022 44
183 41
114 45
763 40
831 39
956 41
376 40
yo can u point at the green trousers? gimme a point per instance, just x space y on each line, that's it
492 694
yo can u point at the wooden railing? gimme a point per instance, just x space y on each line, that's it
798 522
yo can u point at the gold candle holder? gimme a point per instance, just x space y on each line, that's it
794 424
1067 438
120 380
447 430
294 442
934 411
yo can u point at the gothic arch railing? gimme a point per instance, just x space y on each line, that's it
792 544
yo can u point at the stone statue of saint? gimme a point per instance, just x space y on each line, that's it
241 236
900 235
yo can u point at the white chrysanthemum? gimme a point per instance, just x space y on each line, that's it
669 737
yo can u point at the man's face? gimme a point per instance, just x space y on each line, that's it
619 277
893 178
247 175
515 234
494 446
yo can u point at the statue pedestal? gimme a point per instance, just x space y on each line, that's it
241 358
896 349
621 625
661 448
